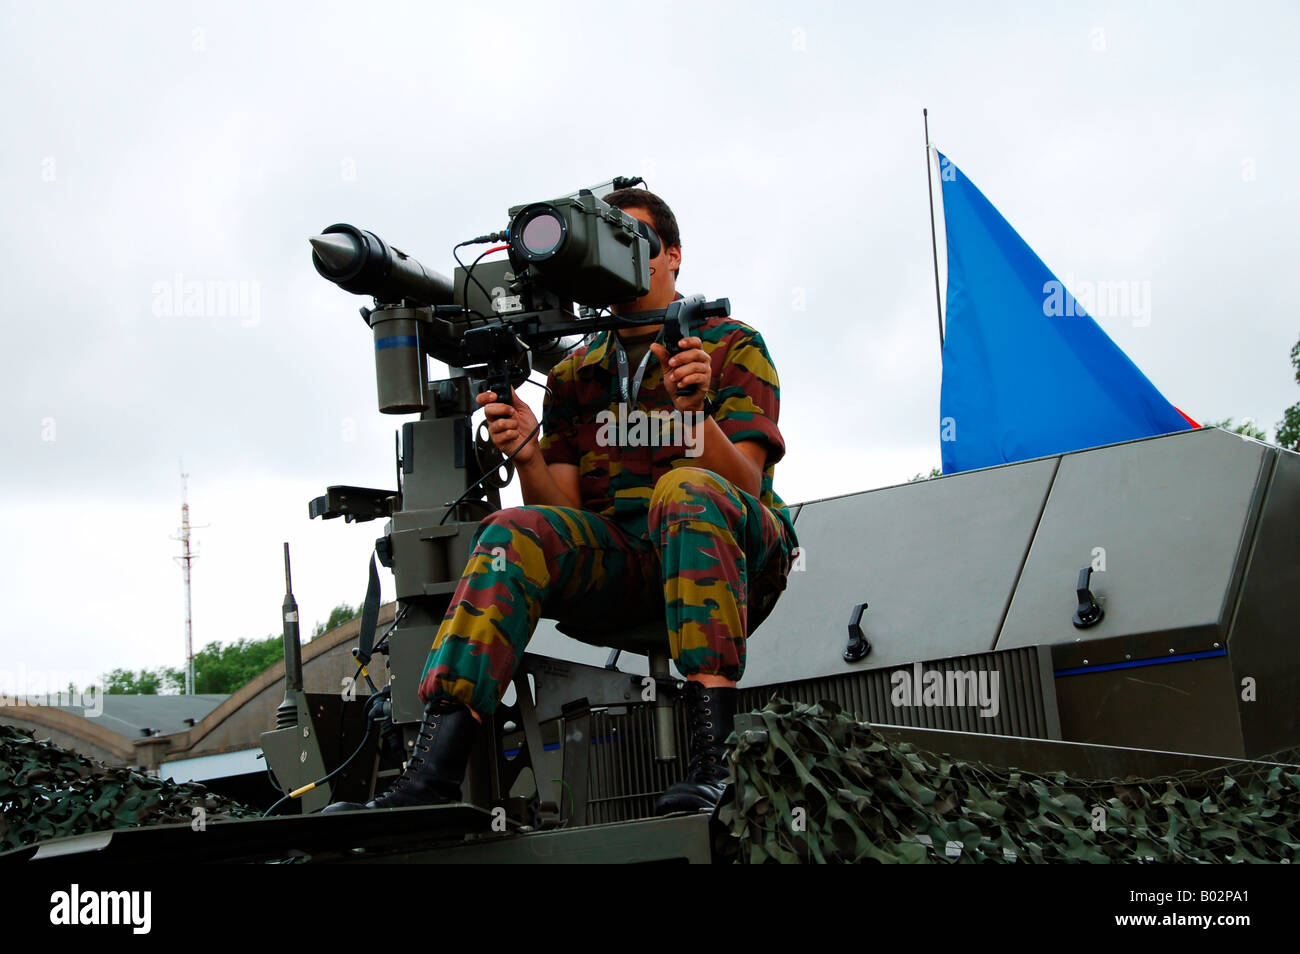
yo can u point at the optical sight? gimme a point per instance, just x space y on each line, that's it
583 249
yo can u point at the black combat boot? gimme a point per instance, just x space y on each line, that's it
709 718
437 764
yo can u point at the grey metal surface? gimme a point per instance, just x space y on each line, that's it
684 839
624 780
1172 515
643 638
429 445
1026 697
129 715
560 682
936 560
1081 761
327 838
547 786
294 755
576 764
549 641
408 650
1187 706
1264 642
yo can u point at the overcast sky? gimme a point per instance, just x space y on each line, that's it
151 145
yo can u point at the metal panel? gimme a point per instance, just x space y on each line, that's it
217 765
1079 760
549 641
624 780
1026 695
1177 706
1264 641
317 838
680 839
936 560
127 715
1172 515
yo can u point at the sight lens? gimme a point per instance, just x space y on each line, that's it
542 233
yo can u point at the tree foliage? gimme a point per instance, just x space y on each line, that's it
1288 432
338 616
219 669
1246 427
144 682
222 669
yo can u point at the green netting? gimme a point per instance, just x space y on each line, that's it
813 785
50 792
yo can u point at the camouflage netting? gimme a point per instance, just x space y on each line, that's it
50 792
860 797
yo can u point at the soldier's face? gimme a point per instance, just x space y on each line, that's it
662 265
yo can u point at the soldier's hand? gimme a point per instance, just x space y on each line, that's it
509 425
689 366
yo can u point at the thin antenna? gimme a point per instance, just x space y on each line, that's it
186 558
934 245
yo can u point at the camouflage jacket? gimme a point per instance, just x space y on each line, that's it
616 481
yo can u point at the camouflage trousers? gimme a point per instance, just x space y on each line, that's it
713 563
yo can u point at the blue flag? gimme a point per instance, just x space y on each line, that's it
1026 372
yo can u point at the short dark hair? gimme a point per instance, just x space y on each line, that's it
664 221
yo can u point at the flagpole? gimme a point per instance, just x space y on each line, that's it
934 245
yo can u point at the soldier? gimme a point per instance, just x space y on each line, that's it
668 517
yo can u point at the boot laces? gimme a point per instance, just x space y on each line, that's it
704 743
428 729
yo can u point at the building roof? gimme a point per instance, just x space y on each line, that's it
128 716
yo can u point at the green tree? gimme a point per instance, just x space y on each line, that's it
145 682
338 616
223 669
934 472
1246 427
218 669
1288 432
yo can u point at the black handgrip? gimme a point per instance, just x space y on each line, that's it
1089 612
683 318
858 646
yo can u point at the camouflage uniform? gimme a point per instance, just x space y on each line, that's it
659 538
